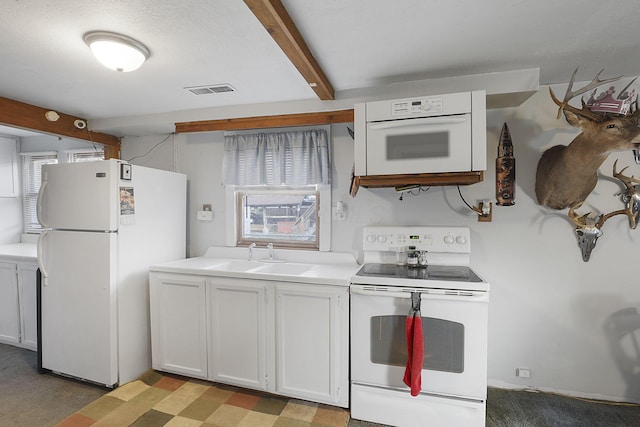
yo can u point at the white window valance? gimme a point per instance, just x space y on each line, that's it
291 158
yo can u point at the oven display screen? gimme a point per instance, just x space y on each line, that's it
414 237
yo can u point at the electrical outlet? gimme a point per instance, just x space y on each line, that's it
485 211
338 212
523 373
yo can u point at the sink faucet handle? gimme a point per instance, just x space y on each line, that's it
270 246
251 246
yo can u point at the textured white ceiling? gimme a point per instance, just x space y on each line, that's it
358 43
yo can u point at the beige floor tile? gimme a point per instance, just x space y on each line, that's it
181 398
300 410
101 407
183 422
258 419
124 415
129 390
227 416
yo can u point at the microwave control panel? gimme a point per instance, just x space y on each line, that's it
416 106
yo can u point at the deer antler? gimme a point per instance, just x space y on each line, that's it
579 221
587 223
628 211
626 180
570 94
629 195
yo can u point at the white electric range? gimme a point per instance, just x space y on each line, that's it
453 301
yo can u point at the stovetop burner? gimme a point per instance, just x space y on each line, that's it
431 272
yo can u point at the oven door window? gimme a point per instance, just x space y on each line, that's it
443 343
418 146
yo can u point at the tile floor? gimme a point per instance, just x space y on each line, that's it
175 401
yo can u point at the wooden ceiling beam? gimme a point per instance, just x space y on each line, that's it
264 122
275 19
31 117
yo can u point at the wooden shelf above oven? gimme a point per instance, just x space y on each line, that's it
409 180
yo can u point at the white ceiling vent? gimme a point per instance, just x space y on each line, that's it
205 90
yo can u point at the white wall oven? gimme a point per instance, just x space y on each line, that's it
453 312
429 134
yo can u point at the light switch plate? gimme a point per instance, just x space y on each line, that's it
205 215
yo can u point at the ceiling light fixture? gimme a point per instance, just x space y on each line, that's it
115 51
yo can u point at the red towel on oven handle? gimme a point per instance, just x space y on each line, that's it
415 349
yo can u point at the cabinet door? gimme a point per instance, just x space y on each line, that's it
312 342
178 324
238 350
28 308
8 167
9 308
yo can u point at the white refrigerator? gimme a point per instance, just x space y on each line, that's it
105 223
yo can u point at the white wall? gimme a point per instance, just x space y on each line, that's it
548 307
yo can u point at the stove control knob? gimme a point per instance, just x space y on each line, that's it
461 240
382 238
448 239
371 238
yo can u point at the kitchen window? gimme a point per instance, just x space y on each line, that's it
31 177
278 190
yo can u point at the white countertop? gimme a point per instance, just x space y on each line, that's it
19 251
328 268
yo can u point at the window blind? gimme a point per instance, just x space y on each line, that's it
84 155
31 178
293 158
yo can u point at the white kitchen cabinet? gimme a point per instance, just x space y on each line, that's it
312 342
178 323
286 338
28 305
9 304
238 337
9 184
18 312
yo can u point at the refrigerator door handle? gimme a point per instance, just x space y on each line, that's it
43 271
43 185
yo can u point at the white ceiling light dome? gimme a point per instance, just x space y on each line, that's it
115 51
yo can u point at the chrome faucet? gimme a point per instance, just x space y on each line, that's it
270 246
251 246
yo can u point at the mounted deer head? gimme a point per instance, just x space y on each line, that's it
566 175
588 229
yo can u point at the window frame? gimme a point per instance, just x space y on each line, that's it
234 212
31 187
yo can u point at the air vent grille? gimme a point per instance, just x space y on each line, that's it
206 90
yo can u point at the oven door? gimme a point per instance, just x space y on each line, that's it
455 339
421 145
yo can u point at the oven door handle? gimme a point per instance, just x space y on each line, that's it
380 293
425 294
418 122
